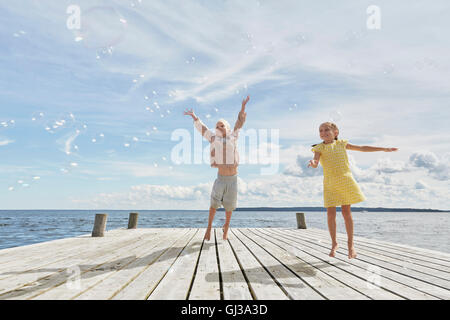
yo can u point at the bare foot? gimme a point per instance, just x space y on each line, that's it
334 247
351 253
225 232
207 234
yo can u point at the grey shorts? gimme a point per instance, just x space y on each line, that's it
224 192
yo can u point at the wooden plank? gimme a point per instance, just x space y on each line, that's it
39 257
261 284
396 265
234 285
332 281
31 284
140 287
176 283
30 276
110 264
401 261
354 267
206 284
403 284
296 287
418 257
107 286
431 255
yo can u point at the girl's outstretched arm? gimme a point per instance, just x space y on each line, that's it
315 162
368 148
199 125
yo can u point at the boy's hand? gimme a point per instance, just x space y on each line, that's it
191 113
244 102
390 149
313 163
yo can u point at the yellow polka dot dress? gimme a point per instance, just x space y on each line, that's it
339 186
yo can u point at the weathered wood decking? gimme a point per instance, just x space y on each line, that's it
255 263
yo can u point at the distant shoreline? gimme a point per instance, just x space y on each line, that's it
354 209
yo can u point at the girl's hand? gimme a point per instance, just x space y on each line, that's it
313 163
390 149
191 113
244 102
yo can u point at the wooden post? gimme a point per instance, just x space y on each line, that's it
99 225
133 220
301 222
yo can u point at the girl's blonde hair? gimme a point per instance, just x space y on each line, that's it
332 126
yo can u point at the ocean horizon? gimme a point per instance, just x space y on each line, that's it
421 229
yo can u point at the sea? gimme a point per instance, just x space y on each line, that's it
428 230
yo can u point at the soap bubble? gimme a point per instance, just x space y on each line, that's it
425 63
104 53
293 107
135 3
80 127
335 116
24 182
300 39
69 167
101 27
7 124
388 68
98 138
63 120
130 142
37 117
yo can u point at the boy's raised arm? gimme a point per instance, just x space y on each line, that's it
199 125
242 115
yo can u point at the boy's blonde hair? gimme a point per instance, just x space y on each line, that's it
225 123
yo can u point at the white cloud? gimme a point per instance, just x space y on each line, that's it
437 168
5 142
421 185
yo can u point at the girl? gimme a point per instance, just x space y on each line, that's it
339 186
224 156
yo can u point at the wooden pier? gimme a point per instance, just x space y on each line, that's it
254 263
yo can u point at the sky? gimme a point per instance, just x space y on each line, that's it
92 95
